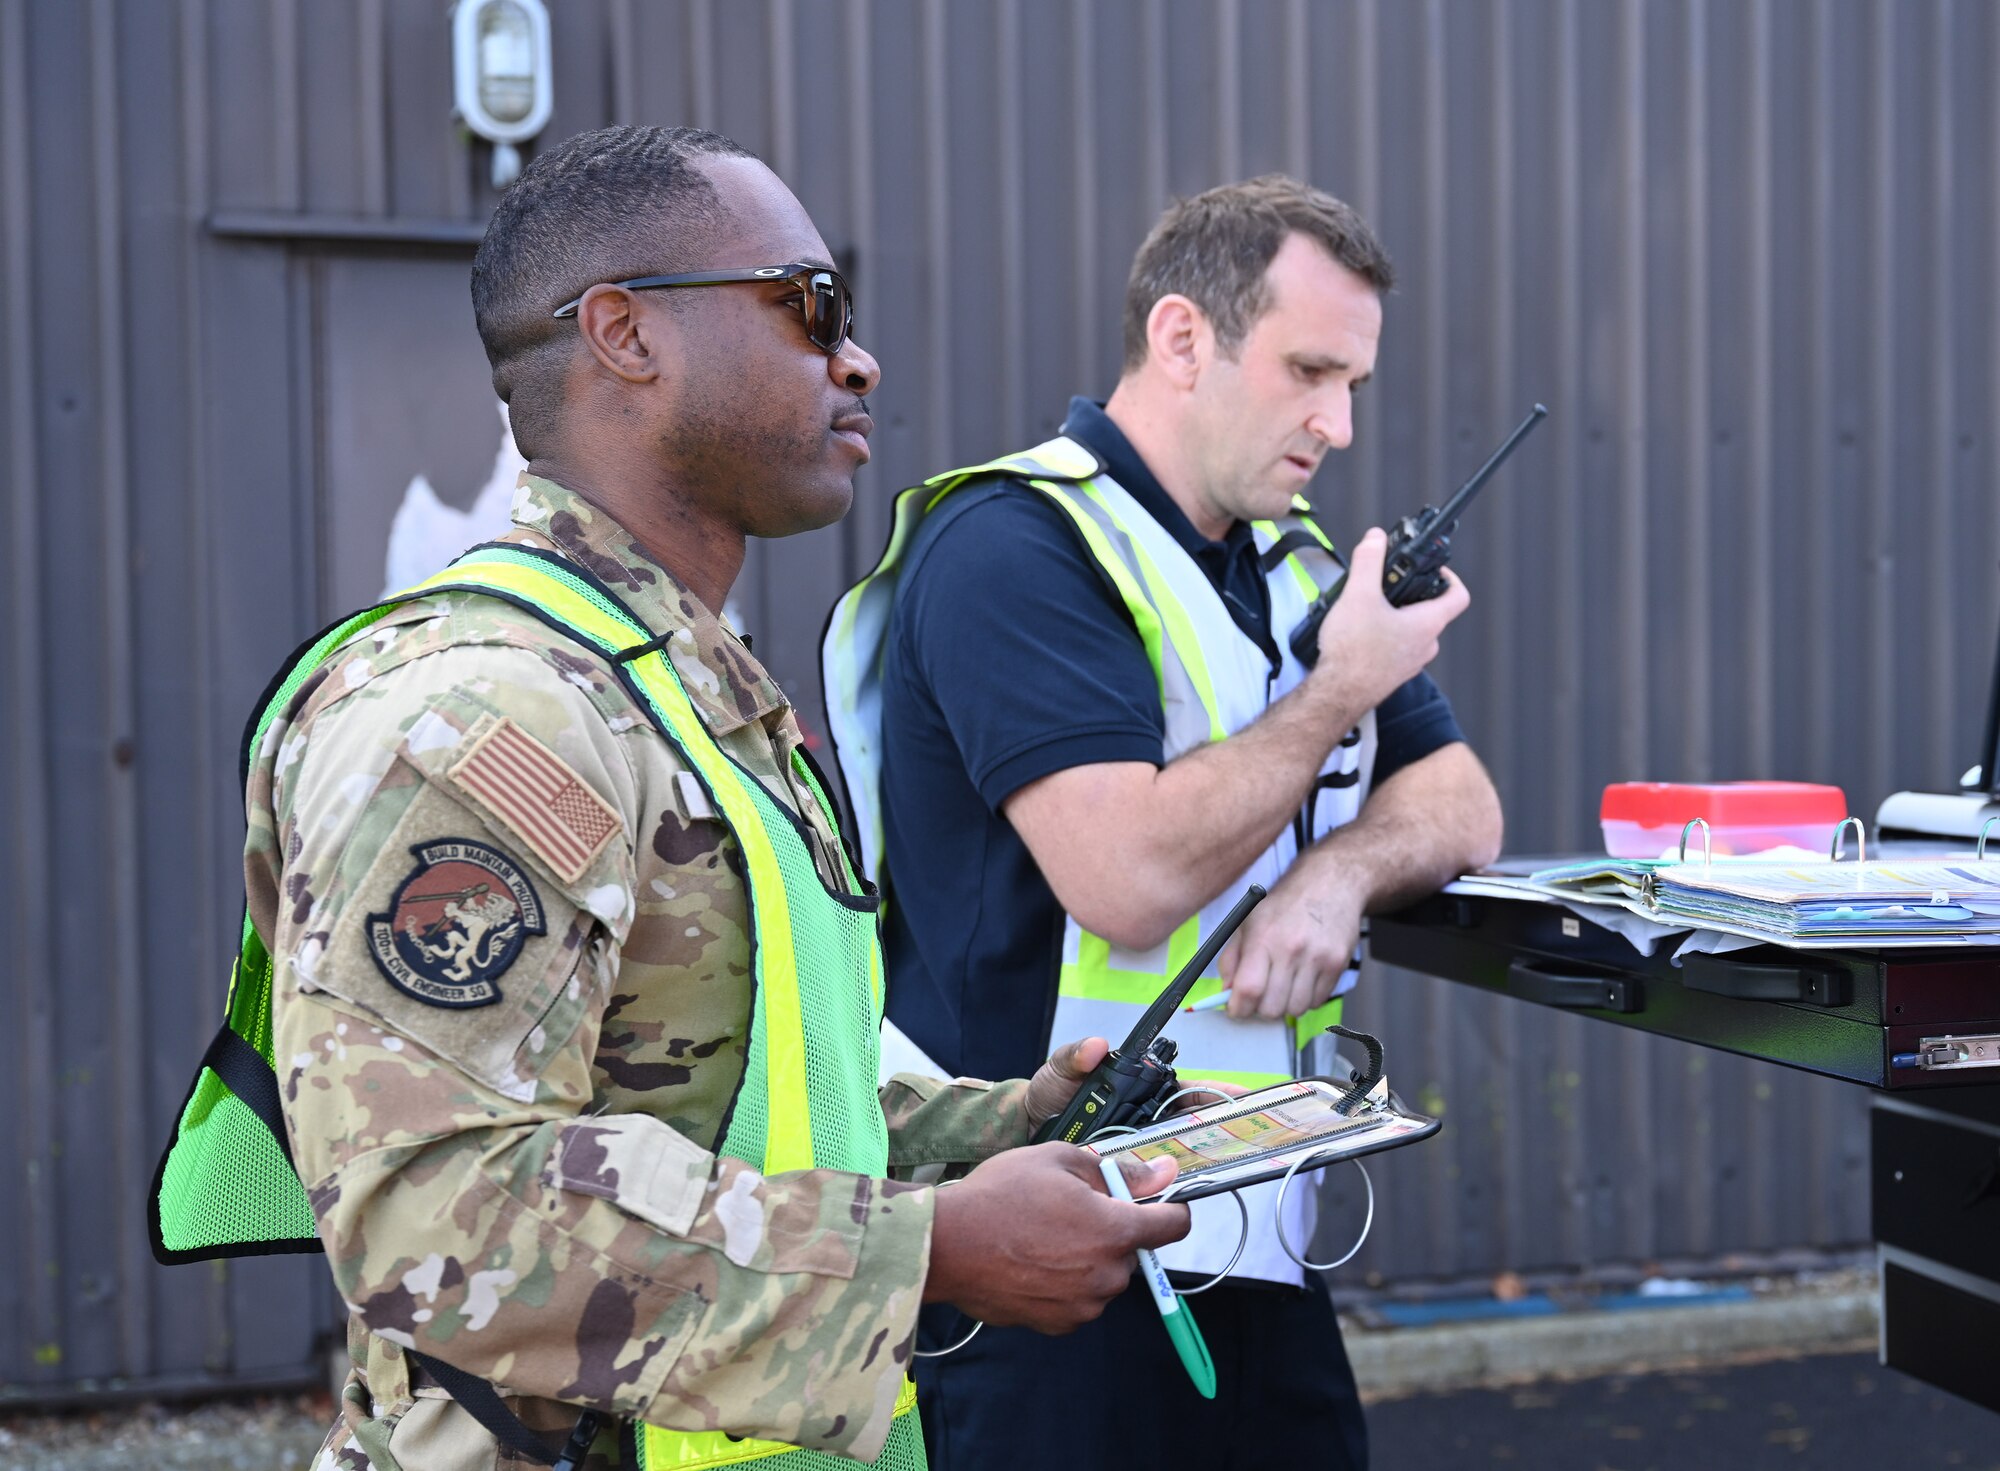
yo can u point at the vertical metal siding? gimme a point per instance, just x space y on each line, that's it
1746 251
27 1230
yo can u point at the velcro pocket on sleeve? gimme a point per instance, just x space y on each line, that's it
636 1162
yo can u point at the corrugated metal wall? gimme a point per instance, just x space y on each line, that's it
1746 252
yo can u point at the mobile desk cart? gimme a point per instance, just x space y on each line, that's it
1934 1145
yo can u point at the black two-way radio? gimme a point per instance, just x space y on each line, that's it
1137 1076
1419 546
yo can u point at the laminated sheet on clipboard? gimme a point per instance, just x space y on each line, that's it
1261 1136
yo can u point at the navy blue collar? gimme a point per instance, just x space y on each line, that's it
1092 427
1230 564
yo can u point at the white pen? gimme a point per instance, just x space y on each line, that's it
1175 1314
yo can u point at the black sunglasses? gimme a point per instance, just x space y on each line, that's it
823 295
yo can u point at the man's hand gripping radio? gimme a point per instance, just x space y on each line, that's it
1137 1076
1419 546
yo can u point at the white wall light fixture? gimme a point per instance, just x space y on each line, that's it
500 75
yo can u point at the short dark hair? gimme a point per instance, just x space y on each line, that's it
1215 248
591 209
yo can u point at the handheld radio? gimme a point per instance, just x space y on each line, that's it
1419 546
1138 1075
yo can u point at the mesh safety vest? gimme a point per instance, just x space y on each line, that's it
226 1186
1214 680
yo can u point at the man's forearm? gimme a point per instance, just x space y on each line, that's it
1215 809
1131 850
1432 821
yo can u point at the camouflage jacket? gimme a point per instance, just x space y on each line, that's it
461 803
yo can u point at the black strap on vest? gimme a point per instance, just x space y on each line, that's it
482 1401
580 1440
245 1073
640 651
1284 546
1307 817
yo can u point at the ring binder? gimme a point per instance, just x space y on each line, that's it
1802 903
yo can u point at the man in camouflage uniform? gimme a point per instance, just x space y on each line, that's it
514 982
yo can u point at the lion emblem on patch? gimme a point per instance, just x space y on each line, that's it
455 924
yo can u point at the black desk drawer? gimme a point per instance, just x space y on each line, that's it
1841 1013
1936 1187
1539 953
1941 1331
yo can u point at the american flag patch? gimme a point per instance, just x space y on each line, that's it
528 787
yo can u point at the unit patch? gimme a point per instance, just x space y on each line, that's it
455 924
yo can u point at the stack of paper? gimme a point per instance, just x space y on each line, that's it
1627 882
1603 880
1792 898
1858 902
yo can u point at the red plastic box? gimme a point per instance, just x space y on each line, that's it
1643 819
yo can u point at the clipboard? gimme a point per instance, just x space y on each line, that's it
1289 1128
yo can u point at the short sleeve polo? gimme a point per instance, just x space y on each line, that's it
1009 657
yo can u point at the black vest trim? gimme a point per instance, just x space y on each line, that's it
245 1073
1284 546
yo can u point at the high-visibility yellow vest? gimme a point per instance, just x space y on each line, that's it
226 1187
1214 681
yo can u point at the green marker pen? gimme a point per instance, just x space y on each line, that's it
1175 1313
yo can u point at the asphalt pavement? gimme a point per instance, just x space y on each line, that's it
1833 1412
1828 1412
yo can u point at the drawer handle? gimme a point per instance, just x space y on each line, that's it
1821 985
1573 990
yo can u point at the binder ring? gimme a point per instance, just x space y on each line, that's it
1243 1237
938 1353
1984 828
1707 848
1242 1244
1367 1221
1840 840
1168 1102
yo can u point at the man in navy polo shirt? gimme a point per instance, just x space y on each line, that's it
1073 731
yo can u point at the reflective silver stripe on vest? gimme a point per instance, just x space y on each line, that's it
1210 1043
1210 691
1181 694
